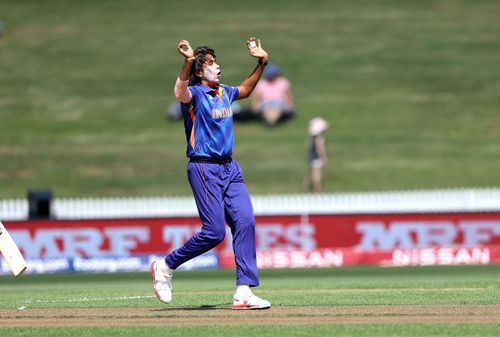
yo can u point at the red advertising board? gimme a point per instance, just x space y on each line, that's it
357 233
338 257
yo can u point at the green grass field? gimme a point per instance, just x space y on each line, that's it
410 89
355 301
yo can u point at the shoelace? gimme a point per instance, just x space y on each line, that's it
162 285
249 299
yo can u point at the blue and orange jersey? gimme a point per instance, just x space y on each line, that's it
208 121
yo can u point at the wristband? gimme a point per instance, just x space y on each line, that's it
192 58
264 63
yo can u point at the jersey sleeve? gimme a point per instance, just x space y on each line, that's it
232 93
194 97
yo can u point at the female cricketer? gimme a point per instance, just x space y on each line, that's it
215 178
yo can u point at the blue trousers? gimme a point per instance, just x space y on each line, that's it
221 197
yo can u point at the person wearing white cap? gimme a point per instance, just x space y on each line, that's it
317 153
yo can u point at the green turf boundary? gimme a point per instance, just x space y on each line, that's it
410 89
358 330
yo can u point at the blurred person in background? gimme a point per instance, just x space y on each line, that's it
216 179
173 112
317 153
272 99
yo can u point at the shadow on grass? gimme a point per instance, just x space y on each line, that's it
222 306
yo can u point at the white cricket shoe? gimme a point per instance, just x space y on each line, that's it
248 301
162 283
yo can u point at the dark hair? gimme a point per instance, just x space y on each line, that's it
201 57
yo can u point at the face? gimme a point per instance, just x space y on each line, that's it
211 70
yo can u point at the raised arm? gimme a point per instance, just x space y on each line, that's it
255 50
181 91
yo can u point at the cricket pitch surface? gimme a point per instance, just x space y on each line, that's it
223 315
